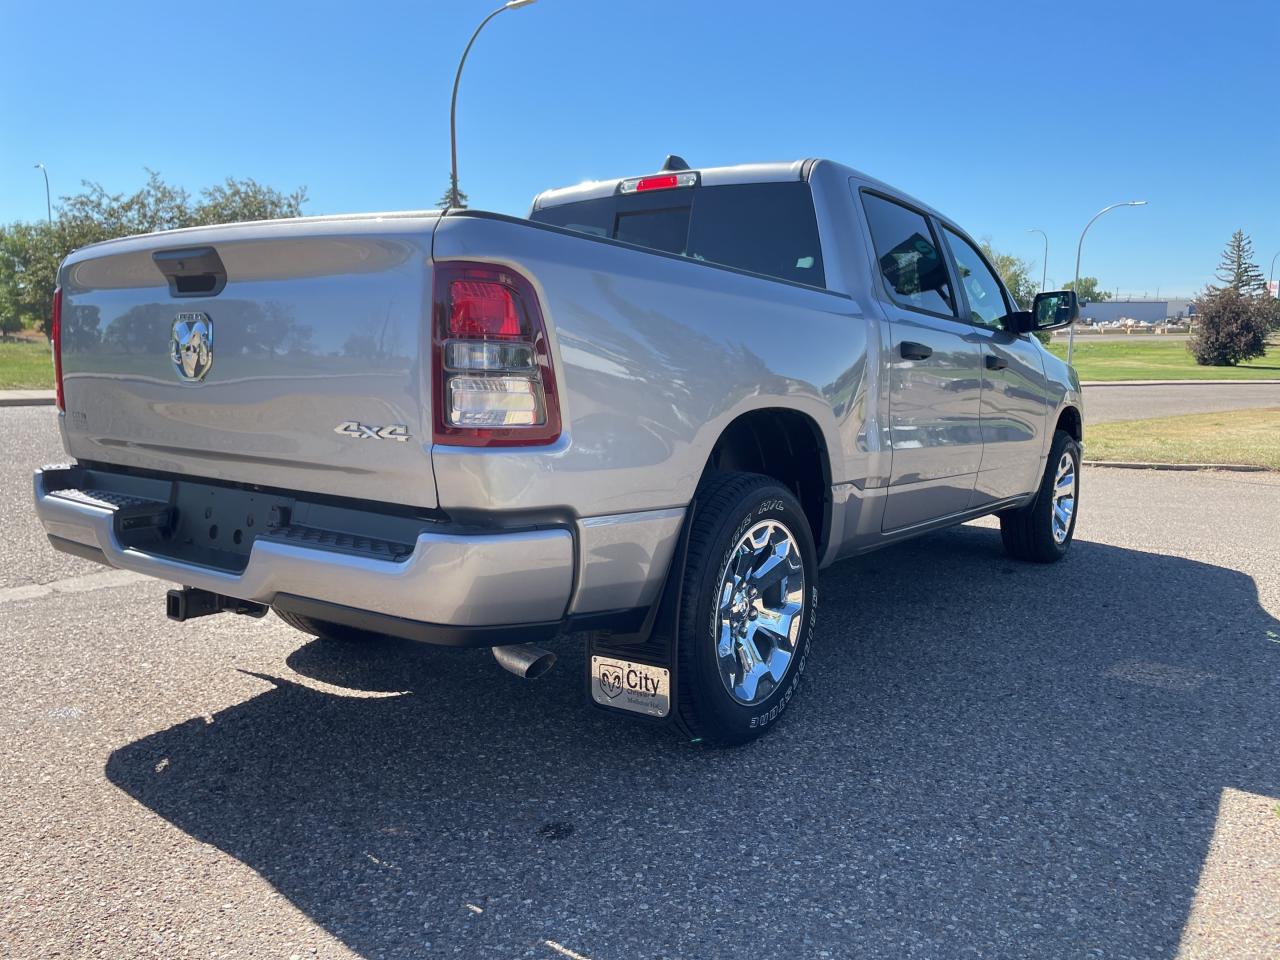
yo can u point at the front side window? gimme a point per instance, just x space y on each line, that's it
909 256
987 305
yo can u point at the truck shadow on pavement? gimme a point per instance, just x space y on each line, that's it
988 758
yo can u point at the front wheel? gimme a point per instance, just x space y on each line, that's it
1042 530
747 617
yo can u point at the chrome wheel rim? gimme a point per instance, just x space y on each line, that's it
1064 498
759 612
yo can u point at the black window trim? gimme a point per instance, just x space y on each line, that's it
879 272
689 198
565 231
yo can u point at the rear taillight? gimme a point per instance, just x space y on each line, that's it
55 333
494 383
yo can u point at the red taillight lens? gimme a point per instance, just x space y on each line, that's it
657 183
480 308
494 384
55 333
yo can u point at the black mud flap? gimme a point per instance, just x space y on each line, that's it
634 674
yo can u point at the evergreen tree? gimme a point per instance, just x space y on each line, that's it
1237 269
444 202
1230 327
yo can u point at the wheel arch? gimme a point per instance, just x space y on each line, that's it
1071 420
787 445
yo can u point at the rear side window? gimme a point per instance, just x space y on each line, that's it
909 256
766 228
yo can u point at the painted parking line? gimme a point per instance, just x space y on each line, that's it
81 584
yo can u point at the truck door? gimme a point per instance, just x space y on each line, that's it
1015 396
934 370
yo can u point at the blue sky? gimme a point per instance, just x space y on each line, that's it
1005 115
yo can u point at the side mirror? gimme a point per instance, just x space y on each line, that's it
1052 311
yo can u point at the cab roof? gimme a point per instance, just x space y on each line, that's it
721 176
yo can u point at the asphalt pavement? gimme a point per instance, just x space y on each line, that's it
987 759
1106 403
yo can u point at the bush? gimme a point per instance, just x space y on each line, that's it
1230 326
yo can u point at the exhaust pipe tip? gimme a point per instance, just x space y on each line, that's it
526 660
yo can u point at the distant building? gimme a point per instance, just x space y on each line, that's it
1139 311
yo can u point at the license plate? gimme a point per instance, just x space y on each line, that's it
638 687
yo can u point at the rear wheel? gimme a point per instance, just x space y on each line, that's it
325 629
747 616
1042 530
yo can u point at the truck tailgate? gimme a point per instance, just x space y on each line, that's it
281 354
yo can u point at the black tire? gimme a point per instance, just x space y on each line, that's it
325 629
728 506
1028 532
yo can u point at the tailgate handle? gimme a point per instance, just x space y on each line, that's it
192 271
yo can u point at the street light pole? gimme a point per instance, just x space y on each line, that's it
48 204
1071 333
453 103
1044 272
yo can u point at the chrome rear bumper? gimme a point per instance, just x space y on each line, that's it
464 580
458 580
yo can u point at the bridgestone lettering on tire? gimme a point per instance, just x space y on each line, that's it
748 612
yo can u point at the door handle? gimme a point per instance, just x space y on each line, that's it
996 363
910 350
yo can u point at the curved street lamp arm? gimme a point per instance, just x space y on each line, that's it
453 111
48 203
1071 331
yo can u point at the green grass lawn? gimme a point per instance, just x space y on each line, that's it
25 365
1156 359
1234 436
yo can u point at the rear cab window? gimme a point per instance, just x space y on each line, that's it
764 228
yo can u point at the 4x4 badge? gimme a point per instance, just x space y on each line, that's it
362 431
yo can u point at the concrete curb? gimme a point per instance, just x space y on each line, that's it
27 398
1171 383
1138 465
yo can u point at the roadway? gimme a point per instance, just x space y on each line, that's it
1108 402
986 759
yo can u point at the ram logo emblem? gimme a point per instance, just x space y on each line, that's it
191 346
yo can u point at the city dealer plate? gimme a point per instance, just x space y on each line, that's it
638 687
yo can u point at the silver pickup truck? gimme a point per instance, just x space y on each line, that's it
649 413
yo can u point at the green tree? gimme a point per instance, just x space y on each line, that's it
1088 292
1230 326
238 201
445 201
1015 272
1237 269
30 253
